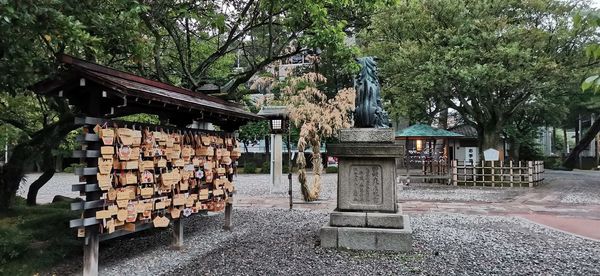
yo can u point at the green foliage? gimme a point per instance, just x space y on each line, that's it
71 168
530 150
552 162
489 60
266 167
592 51
142 118
34 239
253 132
331 169
12 245
249 168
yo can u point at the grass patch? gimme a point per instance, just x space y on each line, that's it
33 239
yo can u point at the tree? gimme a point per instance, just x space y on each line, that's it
592 82
486 59
186 43
253 132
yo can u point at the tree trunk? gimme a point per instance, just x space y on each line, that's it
565 142
48 164
553 142
268 144
27 152
577 133
515 150
489 137
443 119
582 144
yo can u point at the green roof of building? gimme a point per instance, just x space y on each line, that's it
422 130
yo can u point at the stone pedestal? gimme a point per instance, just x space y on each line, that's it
367 215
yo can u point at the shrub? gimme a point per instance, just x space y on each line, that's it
12 244
266 167
71 168
552 162
249 167
331 169
286 169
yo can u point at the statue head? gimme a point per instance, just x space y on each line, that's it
368 63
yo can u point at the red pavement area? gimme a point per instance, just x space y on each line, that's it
589 228
581 220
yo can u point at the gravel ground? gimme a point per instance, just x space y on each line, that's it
278 241
573 187
576 187
59 184
439 192
259 184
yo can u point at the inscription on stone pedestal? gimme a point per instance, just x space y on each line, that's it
367 184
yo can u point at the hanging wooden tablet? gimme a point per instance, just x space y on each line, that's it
107 136
110 225
178 200
189 202
146 177
161 163
135 153
179 163
196 161
129 165
146 165
122 214
175 212
184 185
105 165
147 192
102 214
111 194
136 136
124 153
206 140
104 181
159 205
122 203
160 222
203 194
107 151
125 136
131 212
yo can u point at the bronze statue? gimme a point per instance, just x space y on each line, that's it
369 111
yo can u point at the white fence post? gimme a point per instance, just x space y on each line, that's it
530 173
454 173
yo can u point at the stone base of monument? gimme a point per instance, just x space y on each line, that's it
367 231
367 215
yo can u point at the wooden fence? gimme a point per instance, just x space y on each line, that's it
497 173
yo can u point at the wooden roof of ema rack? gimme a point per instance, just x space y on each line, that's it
102 91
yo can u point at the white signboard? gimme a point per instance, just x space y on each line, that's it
491 155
